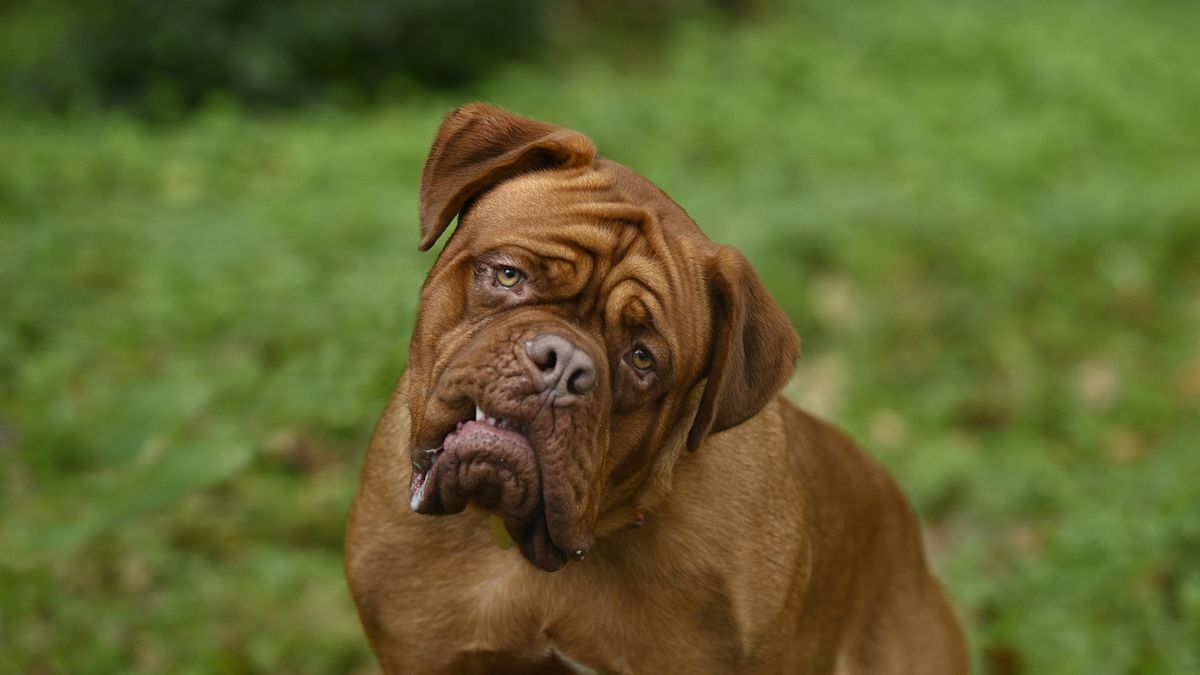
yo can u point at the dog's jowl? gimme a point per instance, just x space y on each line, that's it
595 382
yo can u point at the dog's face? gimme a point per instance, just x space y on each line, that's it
575 334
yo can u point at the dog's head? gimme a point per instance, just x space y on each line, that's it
576 332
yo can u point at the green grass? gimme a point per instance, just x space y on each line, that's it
984 220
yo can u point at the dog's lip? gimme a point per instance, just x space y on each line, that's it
475 427
423 457
537 540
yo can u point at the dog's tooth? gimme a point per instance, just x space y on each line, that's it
478 414
579 555
419 497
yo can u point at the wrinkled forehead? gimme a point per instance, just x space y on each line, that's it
563 214
614 248
545 199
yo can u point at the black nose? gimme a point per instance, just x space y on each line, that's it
561 365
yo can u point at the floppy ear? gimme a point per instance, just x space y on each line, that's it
754 347
479 145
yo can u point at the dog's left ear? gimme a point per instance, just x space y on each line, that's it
479 145
754 347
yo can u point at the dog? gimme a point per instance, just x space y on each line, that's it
593 392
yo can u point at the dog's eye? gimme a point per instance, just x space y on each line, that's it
509 277
641 359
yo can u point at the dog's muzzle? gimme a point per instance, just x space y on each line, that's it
491 458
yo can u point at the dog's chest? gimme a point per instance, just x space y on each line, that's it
552 661
524 620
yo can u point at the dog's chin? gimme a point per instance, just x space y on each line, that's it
492 463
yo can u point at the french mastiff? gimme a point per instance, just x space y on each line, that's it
594 381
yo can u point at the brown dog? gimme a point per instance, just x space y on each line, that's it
591 376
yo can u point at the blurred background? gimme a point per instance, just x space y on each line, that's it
983 218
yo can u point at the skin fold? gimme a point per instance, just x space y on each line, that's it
592 370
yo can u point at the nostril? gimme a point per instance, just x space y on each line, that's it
581 373
562 365
581 381
543 352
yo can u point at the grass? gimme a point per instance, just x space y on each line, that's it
983 218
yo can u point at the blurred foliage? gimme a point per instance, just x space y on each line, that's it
982 217
160 58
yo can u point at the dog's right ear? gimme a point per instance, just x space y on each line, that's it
479 145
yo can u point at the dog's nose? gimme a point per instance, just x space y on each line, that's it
561 365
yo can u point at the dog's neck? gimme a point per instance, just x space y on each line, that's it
628 503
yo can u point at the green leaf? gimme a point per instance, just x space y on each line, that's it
53 524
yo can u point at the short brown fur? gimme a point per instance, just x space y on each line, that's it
725 530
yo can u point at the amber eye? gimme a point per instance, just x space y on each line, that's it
509 276
641 359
